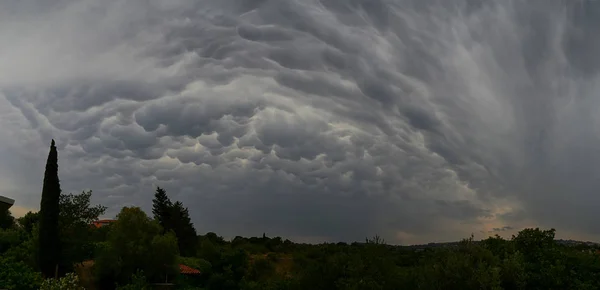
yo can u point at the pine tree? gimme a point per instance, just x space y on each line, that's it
161 208
184 230
175 217
49 242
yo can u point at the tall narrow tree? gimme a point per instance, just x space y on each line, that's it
49 242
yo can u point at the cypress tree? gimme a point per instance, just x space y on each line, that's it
49 242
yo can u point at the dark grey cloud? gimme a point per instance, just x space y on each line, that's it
317 120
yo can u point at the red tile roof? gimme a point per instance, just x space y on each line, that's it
183 269
100 223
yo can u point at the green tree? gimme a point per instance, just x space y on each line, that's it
76 237
135 243
175 217
28 221
161 208
7 221
49 241
76 208
9 238
542 259
184 229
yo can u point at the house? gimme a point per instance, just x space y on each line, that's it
6 203
101 223
186 270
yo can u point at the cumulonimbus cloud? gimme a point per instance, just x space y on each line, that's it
316 120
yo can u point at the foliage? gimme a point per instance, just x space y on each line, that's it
77 209
175 217
49 241
161 205
7 221
184 229
138 282
28 221
26 250
17 275
9 238
494 263
76 215
69 282
135 243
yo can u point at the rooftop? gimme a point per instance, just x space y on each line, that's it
5 202
100 223
183 269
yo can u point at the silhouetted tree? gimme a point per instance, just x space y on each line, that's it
161 207
7 221
76 215
175 217
135 243
28 221
182 225
49 242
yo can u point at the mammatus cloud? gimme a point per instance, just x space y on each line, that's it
315 120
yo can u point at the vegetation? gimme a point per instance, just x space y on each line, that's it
76 215
69 282
49 239
6 219
175 217
135 243
136 251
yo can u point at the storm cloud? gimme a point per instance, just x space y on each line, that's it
326 120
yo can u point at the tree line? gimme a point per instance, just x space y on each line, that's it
56 248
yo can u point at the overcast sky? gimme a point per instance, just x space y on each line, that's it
329 120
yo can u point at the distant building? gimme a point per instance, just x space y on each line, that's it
6 203
101 223
187 270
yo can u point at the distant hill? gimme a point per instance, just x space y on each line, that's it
454 244
576 243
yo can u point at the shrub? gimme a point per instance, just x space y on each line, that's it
17 275
68 282
138 282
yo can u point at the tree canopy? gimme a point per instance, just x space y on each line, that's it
76 215
175 217
7 221
135 242
29 221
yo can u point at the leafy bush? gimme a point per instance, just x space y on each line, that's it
69 282
18 275
138 282
9 238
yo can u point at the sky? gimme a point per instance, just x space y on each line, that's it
314 120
